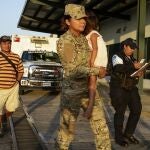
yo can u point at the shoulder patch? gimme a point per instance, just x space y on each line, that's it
116 60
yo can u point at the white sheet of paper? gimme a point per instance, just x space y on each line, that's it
141 69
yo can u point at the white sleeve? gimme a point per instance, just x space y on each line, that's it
116 60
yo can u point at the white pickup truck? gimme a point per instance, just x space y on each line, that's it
42 67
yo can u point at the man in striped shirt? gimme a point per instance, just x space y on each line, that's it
10 76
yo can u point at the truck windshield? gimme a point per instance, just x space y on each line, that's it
40 56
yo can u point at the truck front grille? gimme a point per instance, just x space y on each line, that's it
45 72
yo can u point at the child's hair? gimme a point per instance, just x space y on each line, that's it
64 26
91 22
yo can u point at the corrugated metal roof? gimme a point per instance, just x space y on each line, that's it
45 15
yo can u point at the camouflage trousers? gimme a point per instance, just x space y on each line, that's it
98 124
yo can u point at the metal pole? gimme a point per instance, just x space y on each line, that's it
141 17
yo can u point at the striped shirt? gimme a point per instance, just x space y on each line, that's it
7 72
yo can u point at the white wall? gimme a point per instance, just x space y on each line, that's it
127 28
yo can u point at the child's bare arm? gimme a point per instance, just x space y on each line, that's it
92 92
93 39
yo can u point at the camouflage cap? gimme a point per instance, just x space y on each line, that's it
75 11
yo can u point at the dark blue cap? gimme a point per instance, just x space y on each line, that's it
130 42
5 38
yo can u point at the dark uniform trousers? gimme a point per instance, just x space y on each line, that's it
122 98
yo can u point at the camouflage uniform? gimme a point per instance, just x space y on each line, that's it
73 52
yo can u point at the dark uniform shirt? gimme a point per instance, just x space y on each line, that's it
122 68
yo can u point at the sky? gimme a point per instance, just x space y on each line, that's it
10 12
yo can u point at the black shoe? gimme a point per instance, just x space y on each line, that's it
132 139
4 123
5 127
122 142
1 131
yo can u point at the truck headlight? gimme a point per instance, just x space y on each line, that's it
26 71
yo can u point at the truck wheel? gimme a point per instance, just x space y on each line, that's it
55 92
21 92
